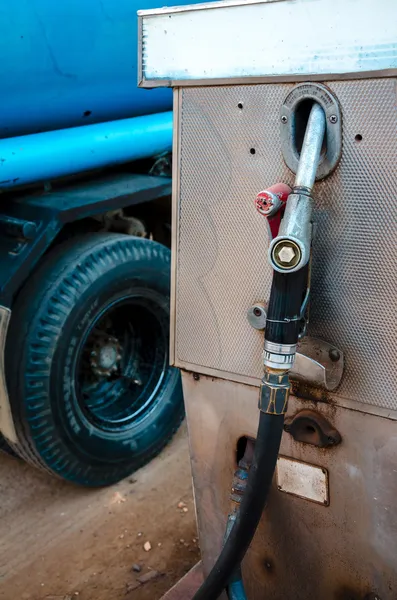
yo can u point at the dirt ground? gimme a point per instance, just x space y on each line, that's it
60 542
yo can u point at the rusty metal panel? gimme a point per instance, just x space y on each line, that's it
229 148
301 549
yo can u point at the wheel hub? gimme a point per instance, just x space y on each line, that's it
106 357
122 364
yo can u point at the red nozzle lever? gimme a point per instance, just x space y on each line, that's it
270 203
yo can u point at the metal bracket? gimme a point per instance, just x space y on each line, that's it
317 363
311 427
333 132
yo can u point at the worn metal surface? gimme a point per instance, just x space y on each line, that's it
301 549
238 40
300 479
226 154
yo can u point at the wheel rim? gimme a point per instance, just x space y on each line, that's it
122 362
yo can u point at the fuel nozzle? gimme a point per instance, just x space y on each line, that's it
289 255
290 250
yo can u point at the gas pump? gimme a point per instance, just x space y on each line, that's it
289 256
284 250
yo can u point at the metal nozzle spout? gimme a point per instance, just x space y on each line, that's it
311 149
290 250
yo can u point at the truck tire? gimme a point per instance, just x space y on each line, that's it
92 394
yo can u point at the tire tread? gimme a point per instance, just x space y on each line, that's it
55 286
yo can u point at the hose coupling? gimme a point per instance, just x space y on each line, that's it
279 356
274 394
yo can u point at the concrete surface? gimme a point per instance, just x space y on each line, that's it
61 542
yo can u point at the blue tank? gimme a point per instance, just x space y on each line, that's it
68 63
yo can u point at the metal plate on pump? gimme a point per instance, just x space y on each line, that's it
303 480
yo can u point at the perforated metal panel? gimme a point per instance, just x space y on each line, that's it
229 149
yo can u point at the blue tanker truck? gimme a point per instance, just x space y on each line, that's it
86 391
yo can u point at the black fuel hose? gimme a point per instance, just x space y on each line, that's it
260 477
282 327
283 322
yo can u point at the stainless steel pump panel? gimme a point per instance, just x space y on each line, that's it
229 148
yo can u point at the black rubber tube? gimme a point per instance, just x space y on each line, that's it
260 477
283 322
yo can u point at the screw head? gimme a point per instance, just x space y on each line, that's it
333 119
286 254
284 119
334 354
